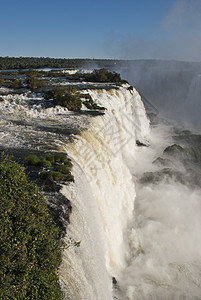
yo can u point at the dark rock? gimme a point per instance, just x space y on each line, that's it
165 174
138 143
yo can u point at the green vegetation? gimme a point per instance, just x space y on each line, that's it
90 104
7 63
71 98
52 175
130 88
66 96
32 160
101 75
10 82
64 169
34 82
30 251
58 166
30 79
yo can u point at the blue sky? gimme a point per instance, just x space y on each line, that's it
128 29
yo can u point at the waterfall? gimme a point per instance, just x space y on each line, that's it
103 195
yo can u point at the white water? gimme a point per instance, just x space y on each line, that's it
165 237
105 191
146 236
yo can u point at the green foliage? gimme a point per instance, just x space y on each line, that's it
60 158
103 75
10 82
45 163
64 169
46 62
33 82
52 175
69 177
65 96
57 91
30 251
58 166
32 160
70 98
130 88
93 105
16 84
2 82
49 157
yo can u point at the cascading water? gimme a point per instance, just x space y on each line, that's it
105 192
144 233
135 217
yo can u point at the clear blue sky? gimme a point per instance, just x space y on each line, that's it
128 29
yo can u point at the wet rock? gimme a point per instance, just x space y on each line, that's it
163 175
140 144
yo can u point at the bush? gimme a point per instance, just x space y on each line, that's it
102 75
32 160
60 158
45 163
30 251
48 157
71 99
67 162
34 83
52 175
70 177
64 169
130 88
60 166
15 84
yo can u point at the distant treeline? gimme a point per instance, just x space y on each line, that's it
9 63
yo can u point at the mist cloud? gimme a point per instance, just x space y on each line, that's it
178 36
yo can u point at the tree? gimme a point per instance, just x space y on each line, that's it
30 251
34 83
71 99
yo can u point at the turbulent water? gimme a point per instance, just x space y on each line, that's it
149 228
135 225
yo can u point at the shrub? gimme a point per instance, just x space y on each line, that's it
48 157
93 105
67 162
30 251
64 169
34 83
52 175
70 100
130 88
14 83
45 163
57 91
70 177
32 160
60 158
